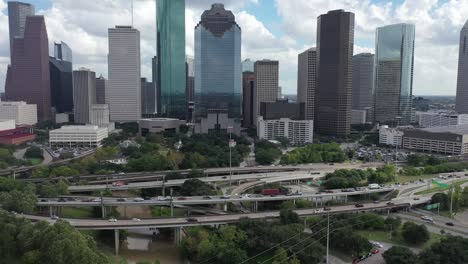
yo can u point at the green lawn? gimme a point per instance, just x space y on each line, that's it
440 189
77 212
384 236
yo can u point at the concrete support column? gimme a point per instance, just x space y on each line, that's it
116 241
51 212
294 202
103 211
177 235
256 206
388 212
225 207
346 199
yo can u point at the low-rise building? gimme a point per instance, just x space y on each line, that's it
390 136
22 112
298 132
10 134
78 136
61 118
100 116
217 122
448 140
158 125
434 119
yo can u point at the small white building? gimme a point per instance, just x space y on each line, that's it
298 132
390 136
21 112
78 136
7 125
100 116
358 117
435 119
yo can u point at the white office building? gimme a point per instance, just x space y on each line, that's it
100 116
7 125
21 112
434 119
298 132
390 136
77 136
124 84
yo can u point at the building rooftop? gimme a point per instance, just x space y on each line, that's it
87 128
460 130
13 103
160 119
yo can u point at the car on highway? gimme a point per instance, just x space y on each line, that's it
43 200
97 200
181 198
358 205
138 199
136 219
416 198
191 219
449 224
54 217
121 199
329 191
390 203
327 209
61 200
226 196
206 198
376 201
112 220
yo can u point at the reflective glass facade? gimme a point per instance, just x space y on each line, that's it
218 76
394 60
170 31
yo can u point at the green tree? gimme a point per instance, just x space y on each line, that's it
450 249
33 152
196 187
399 255
106 153
62 187
41 172
20 201
288 216
3 164
64 171
415 234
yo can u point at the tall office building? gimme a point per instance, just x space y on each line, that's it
190 78
266 84
170 46
461 104
248 65
248 95
101 88
28 76
84 95
61 78
307 80
218 64
124 85
363 81
17 13
148 97
394 51
335 41
154 78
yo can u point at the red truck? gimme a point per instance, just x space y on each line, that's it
271 191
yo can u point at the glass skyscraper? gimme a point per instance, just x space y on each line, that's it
218 69
394 60
170 35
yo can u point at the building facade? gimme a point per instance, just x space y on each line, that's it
61 78
101 88
100 116
434 119
247 65
28 76
298 132
22 112
363 81
248 95
77 136
124 85
10 134
159 125
148 97
84 95
218 64
266 84
358 117
394 51
307 81
390 136
461 104
440 140
217 121
282 108
335 41
170 50
17 13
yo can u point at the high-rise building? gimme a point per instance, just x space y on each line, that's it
218 64
190 78
61 78
266 84
248 65
124 85
335 41
307 80
154 77
148 97
101 88
100 116
28 76
17 13
461 104
84 95
363 81
170 46
394 60
248 95
21 112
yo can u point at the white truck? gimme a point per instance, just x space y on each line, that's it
373 186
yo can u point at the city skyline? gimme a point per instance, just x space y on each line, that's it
437 26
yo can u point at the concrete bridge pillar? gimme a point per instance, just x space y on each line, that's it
103 212
51 211
116 241
172 209
225 207
346 199
294 202
177 235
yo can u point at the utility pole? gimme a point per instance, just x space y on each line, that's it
230 155
328 235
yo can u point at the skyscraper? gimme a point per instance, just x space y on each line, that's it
28 77
17 13
61 78
124 85
190 82
170 46
148 97
307 80
335 41
248 95
84 95
101 88
247 65
461 104
363 81
218 63
266 84
394 51
154 77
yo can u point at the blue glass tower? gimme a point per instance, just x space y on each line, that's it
218 68
170 31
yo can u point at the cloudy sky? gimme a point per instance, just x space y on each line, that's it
272 29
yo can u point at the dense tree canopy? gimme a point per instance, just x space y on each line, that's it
344 178
414 233
33 152
266 152
195 187
315 153
399 255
